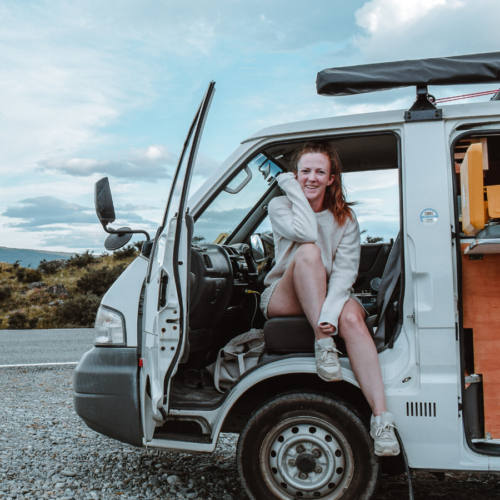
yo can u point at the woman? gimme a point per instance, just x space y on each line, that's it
317 257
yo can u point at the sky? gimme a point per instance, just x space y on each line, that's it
93 89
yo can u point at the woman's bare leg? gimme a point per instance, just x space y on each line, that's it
302 289
362 355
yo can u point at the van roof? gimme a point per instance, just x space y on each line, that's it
473 111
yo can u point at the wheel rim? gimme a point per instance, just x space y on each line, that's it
306 457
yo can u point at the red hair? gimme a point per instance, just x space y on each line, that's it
335 198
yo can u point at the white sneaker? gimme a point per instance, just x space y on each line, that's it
382 431
327 361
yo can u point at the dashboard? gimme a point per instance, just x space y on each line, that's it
218 274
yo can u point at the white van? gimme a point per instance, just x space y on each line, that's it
190 292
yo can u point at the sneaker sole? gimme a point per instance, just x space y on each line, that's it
335 378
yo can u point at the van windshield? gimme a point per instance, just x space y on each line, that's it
232 204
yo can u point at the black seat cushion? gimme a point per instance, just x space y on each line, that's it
293 334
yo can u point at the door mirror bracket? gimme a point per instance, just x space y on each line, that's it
106 215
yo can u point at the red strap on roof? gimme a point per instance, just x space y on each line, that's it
467 96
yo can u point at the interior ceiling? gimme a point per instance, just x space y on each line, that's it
356 154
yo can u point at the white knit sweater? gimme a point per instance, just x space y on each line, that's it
294 222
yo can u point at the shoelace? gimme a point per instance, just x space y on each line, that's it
384 430
327 353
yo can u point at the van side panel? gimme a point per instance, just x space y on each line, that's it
431 414
124 296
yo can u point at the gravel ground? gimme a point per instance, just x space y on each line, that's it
47 452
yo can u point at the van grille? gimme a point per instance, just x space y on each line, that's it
421 410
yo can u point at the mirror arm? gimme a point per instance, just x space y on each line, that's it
128 231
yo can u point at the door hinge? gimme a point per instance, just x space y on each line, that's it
412 316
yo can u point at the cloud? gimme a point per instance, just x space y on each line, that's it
378 16
47 212
147 164
412 29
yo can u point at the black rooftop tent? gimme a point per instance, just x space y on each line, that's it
457 70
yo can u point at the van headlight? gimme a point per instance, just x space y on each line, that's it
109 327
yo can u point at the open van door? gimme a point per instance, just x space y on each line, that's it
165 312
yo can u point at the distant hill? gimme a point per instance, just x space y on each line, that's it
30 258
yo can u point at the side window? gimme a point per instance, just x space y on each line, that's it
376 194
237 199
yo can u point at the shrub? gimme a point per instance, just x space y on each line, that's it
16 264
98 281
32 275
82 260
20 274
50 266
5 293
138 245
17 320
79 311
124 253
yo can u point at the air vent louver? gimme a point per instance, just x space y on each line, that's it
207 261
418 409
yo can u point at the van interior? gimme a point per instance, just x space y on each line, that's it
477 188
233 250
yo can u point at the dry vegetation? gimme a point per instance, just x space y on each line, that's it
34 298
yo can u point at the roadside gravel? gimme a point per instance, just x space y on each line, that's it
47 452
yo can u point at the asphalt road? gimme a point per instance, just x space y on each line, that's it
44 346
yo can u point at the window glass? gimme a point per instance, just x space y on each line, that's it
377 208
231 206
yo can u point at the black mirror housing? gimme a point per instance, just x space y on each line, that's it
104 202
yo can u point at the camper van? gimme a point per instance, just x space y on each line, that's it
430 287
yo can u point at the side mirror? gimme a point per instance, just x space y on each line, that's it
104 202
258 249
106 214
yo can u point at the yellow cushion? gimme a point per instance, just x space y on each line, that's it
493 193
472 190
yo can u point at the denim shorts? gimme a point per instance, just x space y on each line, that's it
266 297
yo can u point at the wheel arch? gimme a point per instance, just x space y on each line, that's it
267 389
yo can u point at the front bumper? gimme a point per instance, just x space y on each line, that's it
106 393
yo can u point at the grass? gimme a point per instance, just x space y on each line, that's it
85 277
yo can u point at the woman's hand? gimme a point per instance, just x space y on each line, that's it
326 328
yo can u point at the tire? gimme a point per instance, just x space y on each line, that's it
307 446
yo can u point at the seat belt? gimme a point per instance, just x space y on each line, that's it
395 270
387 298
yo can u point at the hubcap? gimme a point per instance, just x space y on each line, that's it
305 462
306 457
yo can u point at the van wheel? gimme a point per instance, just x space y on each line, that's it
306 446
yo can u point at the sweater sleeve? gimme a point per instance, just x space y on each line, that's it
292 216
344 272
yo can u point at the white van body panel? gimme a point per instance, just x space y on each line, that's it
124 296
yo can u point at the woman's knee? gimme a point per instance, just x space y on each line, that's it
352 322
308 252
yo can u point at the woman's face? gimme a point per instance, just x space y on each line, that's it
313 175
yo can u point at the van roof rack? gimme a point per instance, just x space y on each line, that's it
457 70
